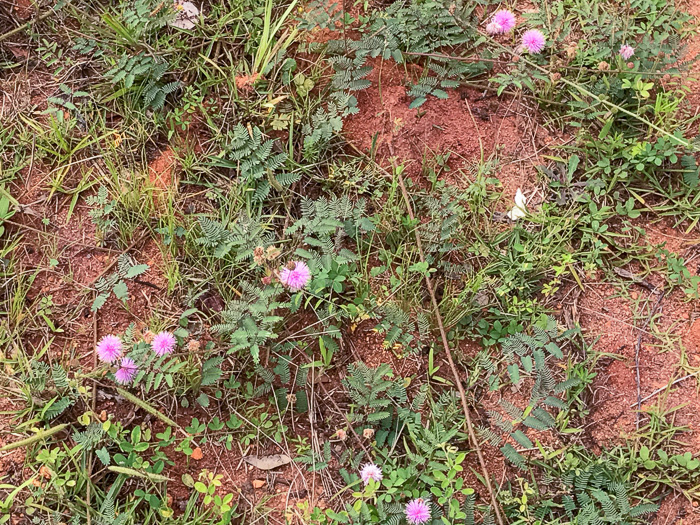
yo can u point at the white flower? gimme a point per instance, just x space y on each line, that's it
186 14
371 471
519 210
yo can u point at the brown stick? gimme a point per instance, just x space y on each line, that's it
636 355
443 336
21 28
93 407
498 61
335 405
453 368
659 390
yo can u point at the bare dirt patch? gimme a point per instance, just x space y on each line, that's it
467 126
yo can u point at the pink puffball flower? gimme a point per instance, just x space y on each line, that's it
533 41
295 276
505 20
417 512
127 371
371 471
109 349
493 28
163 343
626 51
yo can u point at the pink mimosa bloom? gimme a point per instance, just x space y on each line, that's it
127 371
505 20
371 471
417 512
295 276
109 349
533 41
626 51
163 343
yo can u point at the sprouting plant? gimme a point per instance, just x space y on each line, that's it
374 393
250 322
143 74
527 355
101 214
240 238
49 390
325 123
286 381
115 282
254 160
66 101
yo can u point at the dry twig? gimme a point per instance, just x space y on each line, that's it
443 336
458 381
636 354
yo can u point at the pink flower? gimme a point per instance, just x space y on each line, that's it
109 349
371 471
493 28
533 41
626 51
295 276
164 343
417 512
127 371
505 20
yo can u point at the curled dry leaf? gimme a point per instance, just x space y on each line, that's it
268 462
186 15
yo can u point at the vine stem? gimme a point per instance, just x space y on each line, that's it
612 105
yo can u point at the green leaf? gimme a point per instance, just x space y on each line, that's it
203 400
514 372
137 270
417 103
522 439
644 453
99 302
419 267
121 291
606 129
554 349
103 455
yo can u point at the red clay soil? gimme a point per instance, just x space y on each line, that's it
669 349
692 7
496 126
163 176
367 345
162 171
507 128
22 9
669 346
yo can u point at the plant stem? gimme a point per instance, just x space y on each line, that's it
21 28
